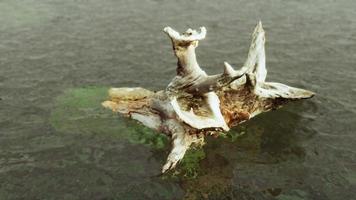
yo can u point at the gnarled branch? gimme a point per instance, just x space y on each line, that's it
195 104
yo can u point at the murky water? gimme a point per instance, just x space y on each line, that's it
57 58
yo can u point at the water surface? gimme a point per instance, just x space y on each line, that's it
58 57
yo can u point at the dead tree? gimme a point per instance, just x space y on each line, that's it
196 104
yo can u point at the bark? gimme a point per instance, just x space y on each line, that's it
196 104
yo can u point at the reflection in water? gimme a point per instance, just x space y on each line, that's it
79 111
246 166
242 164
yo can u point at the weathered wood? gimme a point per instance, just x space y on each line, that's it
195 104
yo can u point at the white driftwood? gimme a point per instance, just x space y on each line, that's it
196 104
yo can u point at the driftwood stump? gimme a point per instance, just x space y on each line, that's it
196 104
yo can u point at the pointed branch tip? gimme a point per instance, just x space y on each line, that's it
228 69
259 28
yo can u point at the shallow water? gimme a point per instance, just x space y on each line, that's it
57 58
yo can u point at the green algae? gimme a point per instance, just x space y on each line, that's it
79 111
204 173
190 165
